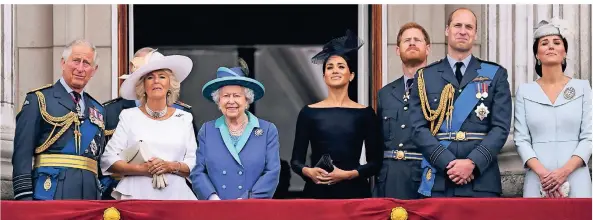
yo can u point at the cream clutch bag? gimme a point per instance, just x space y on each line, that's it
564 189
139 154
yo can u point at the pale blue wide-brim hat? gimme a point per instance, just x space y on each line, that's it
233 76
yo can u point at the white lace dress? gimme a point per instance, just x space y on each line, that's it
171 140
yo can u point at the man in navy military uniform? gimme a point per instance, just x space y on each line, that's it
461 115
400 174
62 126
114 107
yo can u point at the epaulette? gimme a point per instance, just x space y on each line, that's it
112 101
429 65
433 63
41 88
488 62
93 99
183 104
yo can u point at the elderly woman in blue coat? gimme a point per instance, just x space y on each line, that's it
238 155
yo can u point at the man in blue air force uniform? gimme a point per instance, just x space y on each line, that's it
114 107
400 174
461 115
62 127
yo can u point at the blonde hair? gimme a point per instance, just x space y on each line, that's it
172 94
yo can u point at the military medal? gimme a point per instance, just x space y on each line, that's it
93 147
481 90
569 93
406 96
96 117
481 87
79 112
482 111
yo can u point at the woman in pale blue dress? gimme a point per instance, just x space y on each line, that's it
553 121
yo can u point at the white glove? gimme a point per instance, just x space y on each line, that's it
162 181
213 197
159 181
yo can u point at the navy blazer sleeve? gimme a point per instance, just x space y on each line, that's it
26 135
437 155
501 114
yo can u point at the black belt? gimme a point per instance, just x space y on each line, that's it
402 155
460 136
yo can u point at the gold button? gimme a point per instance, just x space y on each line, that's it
405 108
400 144
403 126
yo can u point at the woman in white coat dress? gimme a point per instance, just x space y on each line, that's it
167 131
553 121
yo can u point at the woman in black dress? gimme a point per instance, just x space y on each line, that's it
336 128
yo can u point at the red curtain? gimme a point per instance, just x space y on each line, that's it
454 208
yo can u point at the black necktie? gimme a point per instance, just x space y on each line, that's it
76 97
409 84
458 71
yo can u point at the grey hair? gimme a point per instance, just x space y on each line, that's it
249 95
143 51
174 88
68 50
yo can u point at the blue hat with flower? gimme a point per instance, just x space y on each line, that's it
233 76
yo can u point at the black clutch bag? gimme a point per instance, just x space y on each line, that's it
325 163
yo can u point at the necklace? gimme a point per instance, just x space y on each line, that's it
158 114
239 130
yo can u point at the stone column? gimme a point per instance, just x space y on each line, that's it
6 102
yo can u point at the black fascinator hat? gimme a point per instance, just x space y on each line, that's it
338 46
